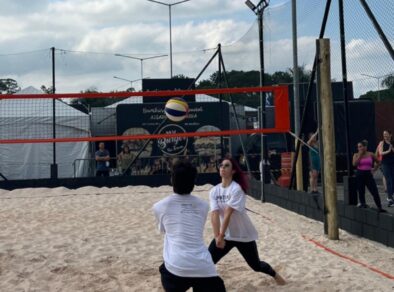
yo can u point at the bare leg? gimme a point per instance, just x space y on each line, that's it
311 180
279 280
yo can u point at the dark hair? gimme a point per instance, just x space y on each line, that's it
238 176
364 143
183 176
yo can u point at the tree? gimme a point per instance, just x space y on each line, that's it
8 86
180 76
388 81
303 74
95 102
47 90
383 94
251 79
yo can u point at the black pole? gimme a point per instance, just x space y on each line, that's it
263 145
219 82
378 28
54 170
144 146
345 87
309 92
162 123
205 67
235 112
262 71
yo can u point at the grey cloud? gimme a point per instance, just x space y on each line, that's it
20 7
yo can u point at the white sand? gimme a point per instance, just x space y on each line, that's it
100 239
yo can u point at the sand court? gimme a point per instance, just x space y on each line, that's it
101 239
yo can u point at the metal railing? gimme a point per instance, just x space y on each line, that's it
153 165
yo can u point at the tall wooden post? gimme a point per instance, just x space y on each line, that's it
299 170
327 129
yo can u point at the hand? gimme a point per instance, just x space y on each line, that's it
220 243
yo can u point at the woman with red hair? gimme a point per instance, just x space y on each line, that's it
231 225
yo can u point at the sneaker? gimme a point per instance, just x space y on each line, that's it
390 204
362 206
382 211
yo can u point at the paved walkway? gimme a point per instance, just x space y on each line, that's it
368 196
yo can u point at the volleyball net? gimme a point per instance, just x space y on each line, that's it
48 128
58 118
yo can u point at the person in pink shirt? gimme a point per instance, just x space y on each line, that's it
366 163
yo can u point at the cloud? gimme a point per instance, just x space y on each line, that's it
84 27
87 34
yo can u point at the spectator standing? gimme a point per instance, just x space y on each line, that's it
314 162
125 157
102 161
366 163
386 150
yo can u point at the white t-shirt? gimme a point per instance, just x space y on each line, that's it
240 227
182 219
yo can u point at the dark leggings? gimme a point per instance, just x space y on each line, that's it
174 283
249 252
388 172
364 179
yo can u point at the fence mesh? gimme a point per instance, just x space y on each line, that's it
368 64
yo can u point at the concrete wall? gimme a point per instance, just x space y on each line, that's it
367 223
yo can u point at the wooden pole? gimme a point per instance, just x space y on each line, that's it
299 171
327 127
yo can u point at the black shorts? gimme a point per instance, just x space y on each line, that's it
174 283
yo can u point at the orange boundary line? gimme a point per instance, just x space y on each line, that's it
391 277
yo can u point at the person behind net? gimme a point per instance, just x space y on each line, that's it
102 160
314 162
386 150
231 225
125 157
181 217
366 163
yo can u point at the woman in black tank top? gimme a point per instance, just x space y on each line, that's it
387 152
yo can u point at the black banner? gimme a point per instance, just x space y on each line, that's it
135 119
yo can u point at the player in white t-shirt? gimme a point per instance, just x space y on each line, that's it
231 225
181 217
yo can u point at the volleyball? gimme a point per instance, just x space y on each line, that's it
176 109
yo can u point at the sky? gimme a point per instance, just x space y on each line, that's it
88 33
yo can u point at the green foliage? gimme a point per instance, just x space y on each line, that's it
96 102
8 86
47 90
251 79
384 95
180 76
388 81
